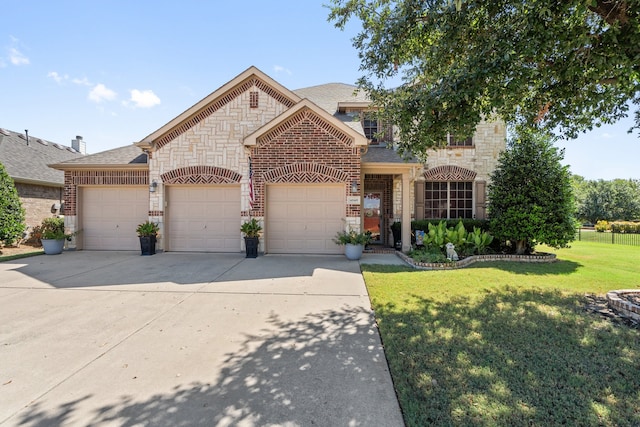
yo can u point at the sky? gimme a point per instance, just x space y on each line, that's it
116 71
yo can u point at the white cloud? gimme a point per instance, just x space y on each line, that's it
55 76
607 135
281 69
144 98
101 93
81 82
17 58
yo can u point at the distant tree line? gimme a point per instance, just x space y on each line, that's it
614 200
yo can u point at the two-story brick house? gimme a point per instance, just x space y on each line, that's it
306 163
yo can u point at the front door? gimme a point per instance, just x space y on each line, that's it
373 215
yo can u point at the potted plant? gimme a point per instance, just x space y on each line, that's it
148 233
354 242
52 235
251 230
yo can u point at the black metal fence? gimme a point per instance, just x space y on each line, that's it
586 235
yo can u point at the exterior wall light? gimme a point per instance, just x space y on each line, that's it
354 186
153 186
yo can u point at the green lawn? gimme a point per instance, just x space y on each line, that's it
509 344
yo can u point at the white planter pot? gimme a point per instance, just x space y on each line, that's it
353 252
52 247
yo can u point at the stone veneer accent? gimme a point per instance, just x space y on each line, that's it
305 149
542 258
489 141
211 143
250 86
622 306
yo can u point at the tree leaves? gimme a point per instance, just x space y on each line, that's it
563 66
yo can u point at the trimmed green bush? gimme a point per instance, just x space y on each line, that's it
602 226
11 212
625 227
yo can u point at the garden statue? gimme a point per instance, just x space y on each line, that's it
452 255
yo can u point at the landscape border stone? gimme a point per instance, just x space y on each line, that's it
537 258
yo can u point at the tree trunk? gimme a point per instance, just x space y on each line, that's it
521 247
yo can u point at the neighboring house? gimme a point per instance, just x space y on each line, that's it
306 163
26 160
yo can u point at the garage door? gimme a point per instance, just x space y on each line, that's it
304 218
110 216
203 218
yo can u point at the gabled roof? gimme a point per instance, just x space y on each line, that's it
127 157
358 138
209 104
29 163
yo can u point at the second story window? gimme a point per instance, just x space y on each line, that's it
456 142
370 127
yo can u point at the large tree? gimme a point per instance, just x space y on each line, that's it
608 200
530 194
11 211
565 65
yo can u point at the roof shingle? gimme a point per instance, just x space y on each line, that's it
29 162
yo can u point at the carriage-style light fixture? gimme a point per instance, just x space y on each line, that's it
153 186
354 186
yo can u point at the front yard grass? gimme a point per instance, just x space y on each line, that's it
510 344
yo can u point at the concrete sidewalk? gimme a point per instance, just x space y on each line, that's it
113 338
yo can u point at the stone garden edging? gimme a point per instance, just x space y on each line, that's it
541 258
623 306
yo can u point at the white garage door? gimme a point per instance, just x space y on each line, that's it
203 218
303 219
110 216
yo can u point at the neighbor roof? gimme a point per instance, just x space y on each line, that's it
129 156
28 163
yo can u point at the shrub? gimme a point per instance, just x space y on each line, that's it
11 211
428 254
602 226
531 197
53 228
625 227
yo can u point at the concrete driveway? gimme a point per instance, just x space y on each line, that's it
176 339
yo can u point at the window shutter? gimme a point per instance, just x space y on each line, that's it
419 198
481 199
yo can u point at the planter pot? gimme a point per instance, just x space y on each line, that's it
251 246
353 252
52 247
147 245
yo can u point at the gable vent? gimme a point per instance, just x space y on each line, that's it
4 132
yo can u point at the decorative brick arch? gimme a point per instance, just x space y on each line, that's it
450 173
305 172
308 115
201 175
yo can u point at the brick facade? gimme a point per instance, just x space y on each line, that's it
305 150
37 201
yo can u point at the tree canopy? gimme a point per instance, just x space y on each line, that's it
565 66
530 194
618 199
